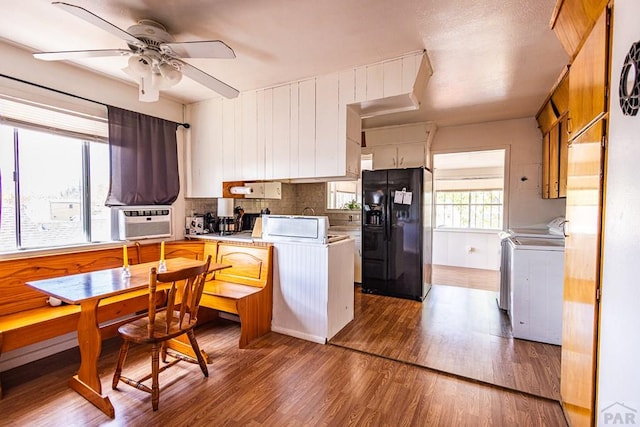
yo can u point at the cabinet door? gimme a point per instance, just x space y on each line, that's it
281 132
564 158
554 161
205 148
327 139
229 139
410 155
385 157
588 78
546 164
250 155
574 20
307 128
272 190
258 190
581 275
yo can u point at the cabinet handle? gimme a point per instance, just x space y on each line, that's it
568 125
401 160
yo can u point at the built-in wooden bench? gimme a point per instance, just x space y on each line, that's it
26 317
245 289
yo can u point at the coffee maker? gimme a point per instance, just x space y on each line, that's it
226 216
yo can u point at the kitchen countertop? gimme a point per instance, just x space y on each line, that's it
245 236
242 236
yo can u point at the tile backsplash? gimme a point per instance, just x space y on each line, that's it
295 198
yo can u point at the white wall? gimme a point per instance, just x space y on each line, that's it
474 249
619 344
523 141
19 63
525 206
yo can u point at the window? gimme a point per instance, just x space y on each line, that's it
54 184
469 189
477 209
348 194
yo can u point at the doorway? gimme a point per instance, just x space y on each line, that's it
469 208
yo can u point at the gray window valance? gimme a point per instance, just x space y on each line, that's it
143 156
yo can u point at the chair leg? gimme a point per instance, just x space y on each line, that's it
155 370
196 350
121 358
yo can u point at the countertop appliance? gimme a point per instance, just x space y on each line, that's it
536 287
553 230
248 220
298 228
397 232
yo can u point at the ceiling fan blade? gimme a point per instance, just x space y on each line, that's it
79 54
101 23
208 81
199 49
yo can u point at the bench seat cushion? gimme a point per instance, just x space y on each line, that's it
38 324
229 290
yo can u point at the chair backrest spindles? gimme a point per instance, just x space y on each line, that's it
186 286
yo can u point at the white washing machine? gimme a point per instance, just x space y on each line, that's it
536 277
553 230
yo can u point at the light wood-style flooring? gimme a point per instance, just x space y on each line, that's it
474 278
455 330
277 381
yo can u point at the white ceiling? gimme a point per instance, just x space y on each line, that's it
492 60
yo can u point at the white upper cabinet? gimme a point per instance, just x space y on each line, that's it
328 142
228 151
280 150
402 146
306 129
303 130
204 147
251 159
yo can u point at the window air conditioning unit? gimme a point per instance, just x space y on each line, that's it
140 222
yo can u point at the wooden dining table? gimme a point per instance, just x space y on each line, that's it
86 290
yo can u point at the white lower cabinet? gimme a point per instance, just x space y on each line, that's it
313 292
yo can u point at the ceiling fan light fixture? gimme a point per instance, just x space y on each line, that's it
139 66
170 74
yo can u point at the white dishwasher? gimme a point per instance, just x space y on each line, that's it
537 285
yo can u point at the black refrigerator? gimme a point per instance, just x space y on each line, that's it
397 232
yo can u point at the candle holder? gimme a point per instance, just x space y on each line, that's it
126 271
162 266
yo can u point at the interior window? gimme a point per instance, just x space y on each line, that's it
348 194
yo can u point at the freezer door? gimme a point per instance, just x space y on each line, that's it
374 231
405 232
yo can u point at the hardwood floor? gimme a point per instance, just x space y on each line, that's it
455 330
277 381
474 278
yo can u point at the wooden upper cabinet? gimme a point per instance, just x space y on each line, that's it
546 117
556 104
588 79
572 20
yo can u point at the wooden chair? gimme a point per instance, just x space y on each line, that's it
178 317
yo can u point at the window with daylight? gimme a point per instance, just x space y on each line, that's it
476 209
469 189
54 175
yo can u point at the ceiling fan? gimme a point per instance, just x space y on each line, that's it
155 59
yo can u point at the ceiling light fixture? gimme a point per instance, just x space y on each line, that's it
154 73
